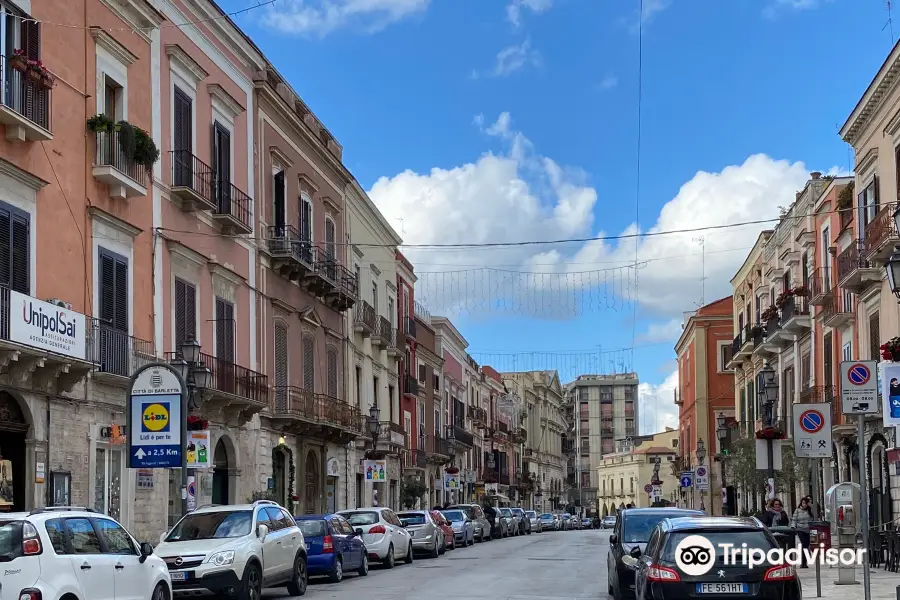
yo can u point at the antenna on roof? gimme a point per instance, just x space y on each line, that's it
890 23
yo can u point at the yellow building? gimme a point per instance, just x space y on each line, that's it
623 475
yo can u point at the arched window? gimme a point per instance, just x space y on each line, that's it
309 358
332 372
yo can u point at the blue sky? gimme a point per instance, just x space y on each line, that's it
508 120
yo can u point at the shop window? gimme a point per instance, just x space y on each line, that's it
108 468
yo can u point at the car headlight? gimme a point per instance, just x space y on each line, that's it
221 559
457 527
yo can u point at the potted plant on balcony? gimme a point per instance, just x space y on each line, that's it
769 314
100 122
782 300
452 470
145 151
19 61
801 291
890 350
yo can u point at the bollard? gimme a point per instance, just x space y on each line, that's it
819 579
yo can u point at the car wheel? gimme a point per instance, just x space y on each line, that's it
409 554
528 531
443 546
160 592
337 571
436 551
388 561
364 567
251 587
298 583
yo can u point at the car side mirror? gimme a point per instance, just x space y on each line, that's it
354 533
146 550
630 562
613 539
358 531
404 523
262 531
636 552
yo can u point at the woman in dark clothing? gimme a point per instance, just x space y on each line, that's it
775 515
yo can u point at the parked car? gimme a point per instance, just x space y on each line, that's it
548 523
586 523
574 522
512 522
534 521
524 522
382 532
567 521
500 526
235 550
632 530
446 528
332 546
53 553
608 522
427 537
463 527
657 575
479 520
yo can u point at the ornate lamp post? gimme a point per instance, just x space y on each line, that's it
372 422
701 456
768 394
722 434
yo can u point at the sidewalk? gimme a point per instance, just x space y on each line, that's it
884 584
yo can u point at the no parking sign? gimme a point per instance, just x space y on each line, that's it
812 430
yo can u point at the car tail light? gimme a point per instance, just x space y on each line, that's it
327 545
662 574
31 543
30 594
781 573
378 529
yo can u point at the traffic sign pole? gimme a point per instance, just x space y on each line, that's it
864 510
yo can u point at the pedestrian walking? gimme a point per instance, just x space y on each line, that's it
775 515
800 522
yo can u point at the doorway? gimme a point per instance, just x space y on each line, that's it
279 473
221 489
311 491
13 430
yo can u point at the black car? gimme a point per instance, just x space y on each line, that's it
658 576
632 530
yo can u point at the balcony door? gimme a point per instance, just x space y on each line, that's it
224 371
185 312
306 227
113 301
182 142
222 167
281 368
330 249
827 348
278 209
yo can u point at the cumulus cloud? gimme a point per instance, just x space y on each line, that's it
514 9
778 7
667 331
322 17
511 59
650 9
656 404
608 82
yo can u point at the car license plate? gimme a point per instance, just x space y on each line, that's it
179 575
722 588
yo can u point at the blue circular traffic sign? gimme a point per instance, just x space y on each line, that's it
811 421
859 374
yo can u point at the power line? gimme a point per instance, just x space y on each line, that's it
637 192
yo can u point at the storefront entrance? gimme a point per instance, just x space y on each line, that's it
13 429
311 489
221 474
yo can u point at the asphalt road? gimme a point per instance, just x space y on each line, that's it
567 565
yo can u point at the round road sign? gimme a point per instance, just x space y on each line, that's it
191 488
701 471
648 488
859 374
811 421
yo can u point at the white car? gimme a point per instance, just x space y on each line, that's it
384 535
235 550
63 552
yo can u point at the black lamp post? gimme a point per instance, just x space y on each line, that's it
197 379
768 393
722 434
372 422
700 452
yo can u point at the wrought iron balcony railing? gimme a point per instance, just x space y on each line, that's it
235 380
110 153
117 353
192 179
27 100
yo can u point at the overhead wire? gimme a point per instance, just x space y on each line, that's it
637 185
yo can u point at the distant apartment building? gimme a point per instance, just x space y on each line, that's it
600 409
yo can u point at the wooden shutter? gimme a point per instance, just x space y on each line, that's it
15 244
309 357
305 220
182 141
222 167
874 337
185 312
332 373
34 103
113 270
224 330
278 207
281 365
329 238
827 349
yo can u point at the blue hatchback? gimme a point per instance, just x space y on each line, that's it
332 546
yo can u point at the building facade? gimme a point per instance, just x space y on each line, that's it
706 389
624 474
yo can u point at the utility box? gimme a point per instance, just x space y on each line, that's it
820 535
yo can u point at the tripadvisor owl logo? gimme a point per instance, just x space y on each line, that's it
695 555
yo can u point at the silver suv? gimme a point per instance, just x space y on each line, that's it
235 550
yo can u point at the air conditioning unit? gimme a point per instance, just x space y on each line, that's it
60 303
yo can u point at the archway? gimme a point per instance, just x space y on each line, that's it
222 470
879 478
13 431
279 474
605 511
311 491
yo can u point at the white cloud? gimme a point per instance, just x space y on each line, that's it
668 331
514 9
608 82
642 16
777 7
519 194
513 58
322 17
656 405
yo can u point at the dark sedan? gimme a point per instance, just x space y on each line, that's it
632 530
658 575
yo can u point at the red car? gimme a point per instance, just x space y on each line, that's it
444 524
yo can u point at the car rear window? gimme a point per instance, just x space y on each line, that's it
546 517
505 512
637 527
413 518
455 515
754 538
361 517
518 512
10 540
312 528
531 514
466 509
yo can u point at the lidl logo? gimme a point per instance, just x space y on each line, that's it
155 418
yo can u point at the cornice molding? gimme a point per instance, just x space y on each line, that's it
220 270
113 221
307 182
24 177
139 14
226 101
867 161
282 158
186 253
181 58
111 45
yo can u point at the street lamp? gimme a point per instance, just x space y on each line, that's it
722 434
701 451
768 393
372 422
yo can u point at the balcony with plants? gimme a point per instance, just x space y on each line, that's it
25 98
124 158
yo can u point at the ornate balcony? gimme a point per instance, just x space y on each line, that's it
411 386
25 106
232 208
326 280
840 310
820 285
881 235
391 437
854 272
112 166
192 181
291 257
462 435
234 392
478 416
394 349
795 314
365 320
436 448
346 292
409 327
741 348
117 354
384 333
315 415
